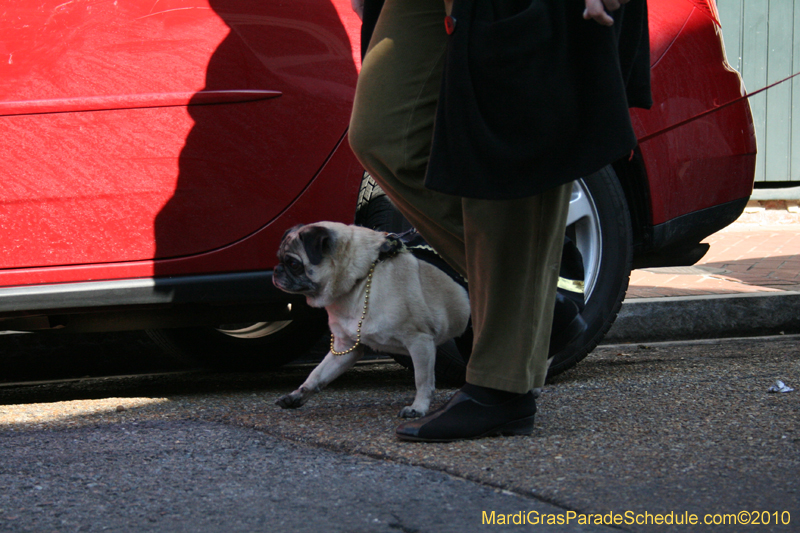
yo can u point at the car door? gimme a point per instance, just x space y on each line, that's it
134 130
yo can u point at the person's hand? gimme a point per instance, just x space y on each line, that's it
358 7
598 10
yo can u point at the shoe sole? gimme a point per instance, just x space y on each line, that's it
523 426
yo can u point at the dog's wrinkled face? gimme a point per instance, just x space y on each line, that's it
304 260
324 261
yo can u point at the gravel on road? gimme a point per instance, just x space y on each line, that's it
680 427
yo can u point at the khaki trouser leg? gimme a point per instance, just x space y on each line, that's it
393 113
513 253
508 250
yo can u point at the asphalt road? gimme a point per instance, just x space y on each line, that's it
56 354
676 430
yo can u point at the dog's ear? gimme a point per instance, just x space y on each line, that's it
318 242
288 231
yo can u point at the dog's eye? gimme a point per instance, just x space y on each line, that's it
294 266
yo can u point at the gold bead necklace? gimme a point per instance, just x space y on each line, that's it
363 314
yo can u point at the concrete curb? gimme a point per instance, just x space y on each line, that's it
706 317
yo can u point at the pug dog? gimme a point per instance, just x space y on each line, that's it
377 294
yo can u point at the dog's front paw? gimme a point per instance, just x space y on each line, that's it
410 412
291 401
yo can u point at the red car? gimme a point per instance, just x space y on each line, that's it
154 152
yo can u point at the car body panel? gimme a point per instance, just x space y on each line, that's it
104 159
173 139
709 160
330 196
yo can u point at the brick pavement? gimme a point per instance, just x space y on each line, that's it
743 258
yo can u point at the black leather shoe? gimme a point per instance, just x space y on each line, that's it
568 325
463 417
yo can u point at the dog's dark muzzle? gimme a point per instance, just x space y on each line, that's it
283 279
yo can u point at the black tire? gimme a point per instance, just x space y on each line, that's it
257 346
607 264
377 212
607 281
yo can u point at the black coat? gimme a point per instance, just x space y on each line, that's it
534 96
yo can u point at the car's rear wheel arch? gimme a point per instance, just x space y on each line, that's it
632 175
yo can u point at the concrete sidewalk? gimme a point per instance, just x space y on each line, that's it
747 284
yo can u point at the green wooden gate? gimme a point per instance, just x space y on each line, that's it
762 42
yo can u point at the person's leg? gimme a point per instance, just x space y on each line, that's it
513 251
392 122
391 130
513 286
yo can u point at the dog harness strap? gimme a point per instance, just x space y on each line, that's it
425 252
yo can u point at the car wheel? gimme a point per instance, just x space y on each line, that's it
252 346
376 211
600 225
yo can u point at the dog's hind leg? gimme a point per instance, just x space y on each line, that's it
329 369
423 355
